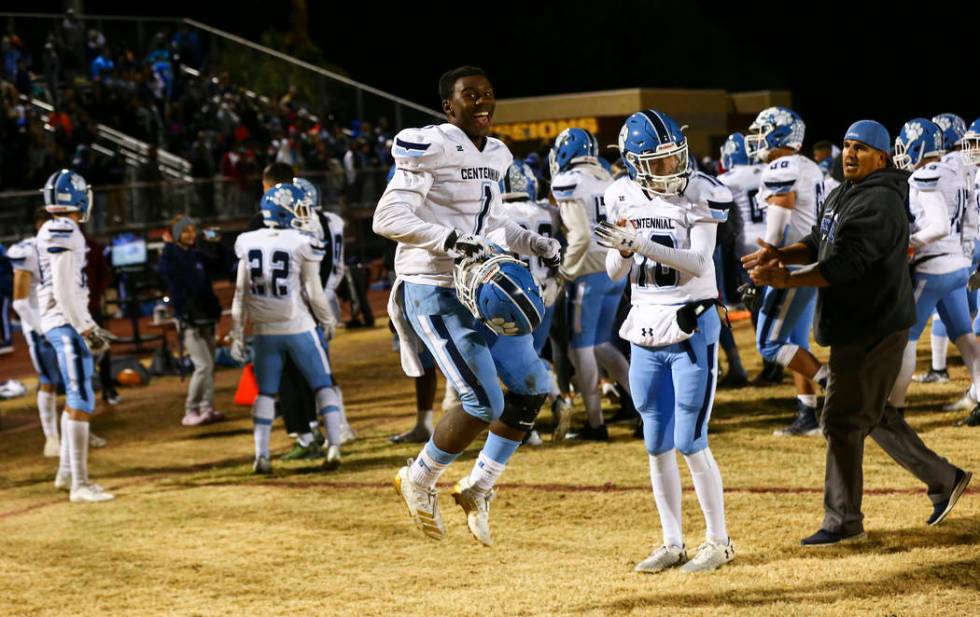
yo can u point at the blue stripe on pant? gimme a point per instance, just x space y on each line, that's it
450 333
307 352
75 365
45 360
519 366
946 294
673 388
785 319
592 304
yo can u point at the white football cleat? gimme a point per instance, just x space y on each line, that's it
95 441
62 481
262 465
534 439
476 504
52 447
965 403
332 460
422 504
89 493
710 556
662 558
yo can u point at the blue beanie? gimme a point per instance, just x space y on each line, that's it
871 133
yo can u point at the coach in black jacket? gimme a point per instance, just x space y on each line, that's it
865 307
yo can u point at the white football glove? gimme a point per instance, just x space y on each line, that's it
548 249
459 245
236 345
618 238
329 330
97 340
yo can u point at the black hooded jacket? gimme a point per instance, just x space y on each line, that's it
861 241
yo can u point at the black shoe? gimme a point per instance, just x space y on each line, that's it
591 433
828 538
772 374
971 420
624 415
942 509
733 380
805 424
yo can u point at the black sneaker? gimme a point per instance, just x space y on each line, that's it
733 380
828 538
591 433
933 376
942 509
805 424
971 420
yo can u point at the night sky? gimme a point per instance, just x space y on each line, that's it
839 67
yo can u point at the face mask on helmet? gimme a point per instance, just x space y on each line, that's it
286 206
775 127
663 172
501 293
918 139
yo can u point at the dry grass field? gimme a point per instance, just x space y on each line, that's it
193 532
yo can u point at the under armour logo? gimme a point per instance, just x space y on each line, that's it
646 331
459 148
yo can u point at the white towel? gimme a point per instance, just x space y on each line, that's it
408 343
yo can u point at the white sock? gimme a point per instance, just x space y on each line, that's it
64 463
47 409
615 364
665 478
305 439
810 400
940 345
78 451
425 471
340 403
314 426
263 413
707 485
485 473
328 404
897 396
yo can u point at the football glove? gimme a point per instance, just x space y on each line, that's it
97 340
548 249
236 346
749 295
460 246
618 238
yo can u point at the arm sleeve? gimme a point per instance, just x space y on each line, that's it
578 233
62 268
695 260
777 221
860 240
28 315
395 216
616 265
936 223
310 275
238 315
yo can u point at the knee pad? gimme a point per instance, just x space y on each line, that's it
264 409
520 410
327 400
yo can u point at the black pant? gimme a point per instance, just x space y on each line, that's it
861 377
297 403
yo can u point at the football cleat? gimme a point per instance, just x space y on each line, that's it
302 453
710 556
89 493
805 424
561 413
933 376
52 447
193 418
332 460
262 465
967 402
661 559
95 441
422 504
971 420
476 504
591 433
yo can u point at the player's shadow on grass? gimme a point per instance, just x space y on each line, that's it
960 573
750 414
231 432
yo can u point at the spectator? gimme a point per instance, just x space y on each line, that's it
102 64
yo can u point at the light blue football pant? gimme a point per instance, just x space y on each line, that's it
784 322
307 351
673 388
451 335
592 302
939 327
75 365
946 294
540 333
518 364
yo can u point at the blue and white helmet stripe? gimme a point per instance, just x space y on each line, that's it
953 128
654 150
573 145
67 191
919 138
501 293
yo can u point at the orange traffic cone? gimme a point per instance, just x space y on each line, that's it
248 388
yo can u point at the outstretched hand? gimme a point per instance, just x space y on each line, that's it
766 256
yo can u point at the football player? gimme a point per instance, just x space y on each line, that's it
440 204
62 297
578 183
970 152
941 269
792 189
277 288
666 242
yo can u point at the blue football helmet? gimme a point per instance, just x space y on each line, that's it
970 144
654 149
733 152
519 183
310 190
286 206
573 145
953 128
918 139
775 127
66 191
501 293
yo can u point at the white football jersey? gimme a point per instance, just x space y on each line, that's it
273 298
668 223
586 184
333 245
449 184
59 235
947 252
533 216
968 170
23 256
795 174
744 182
